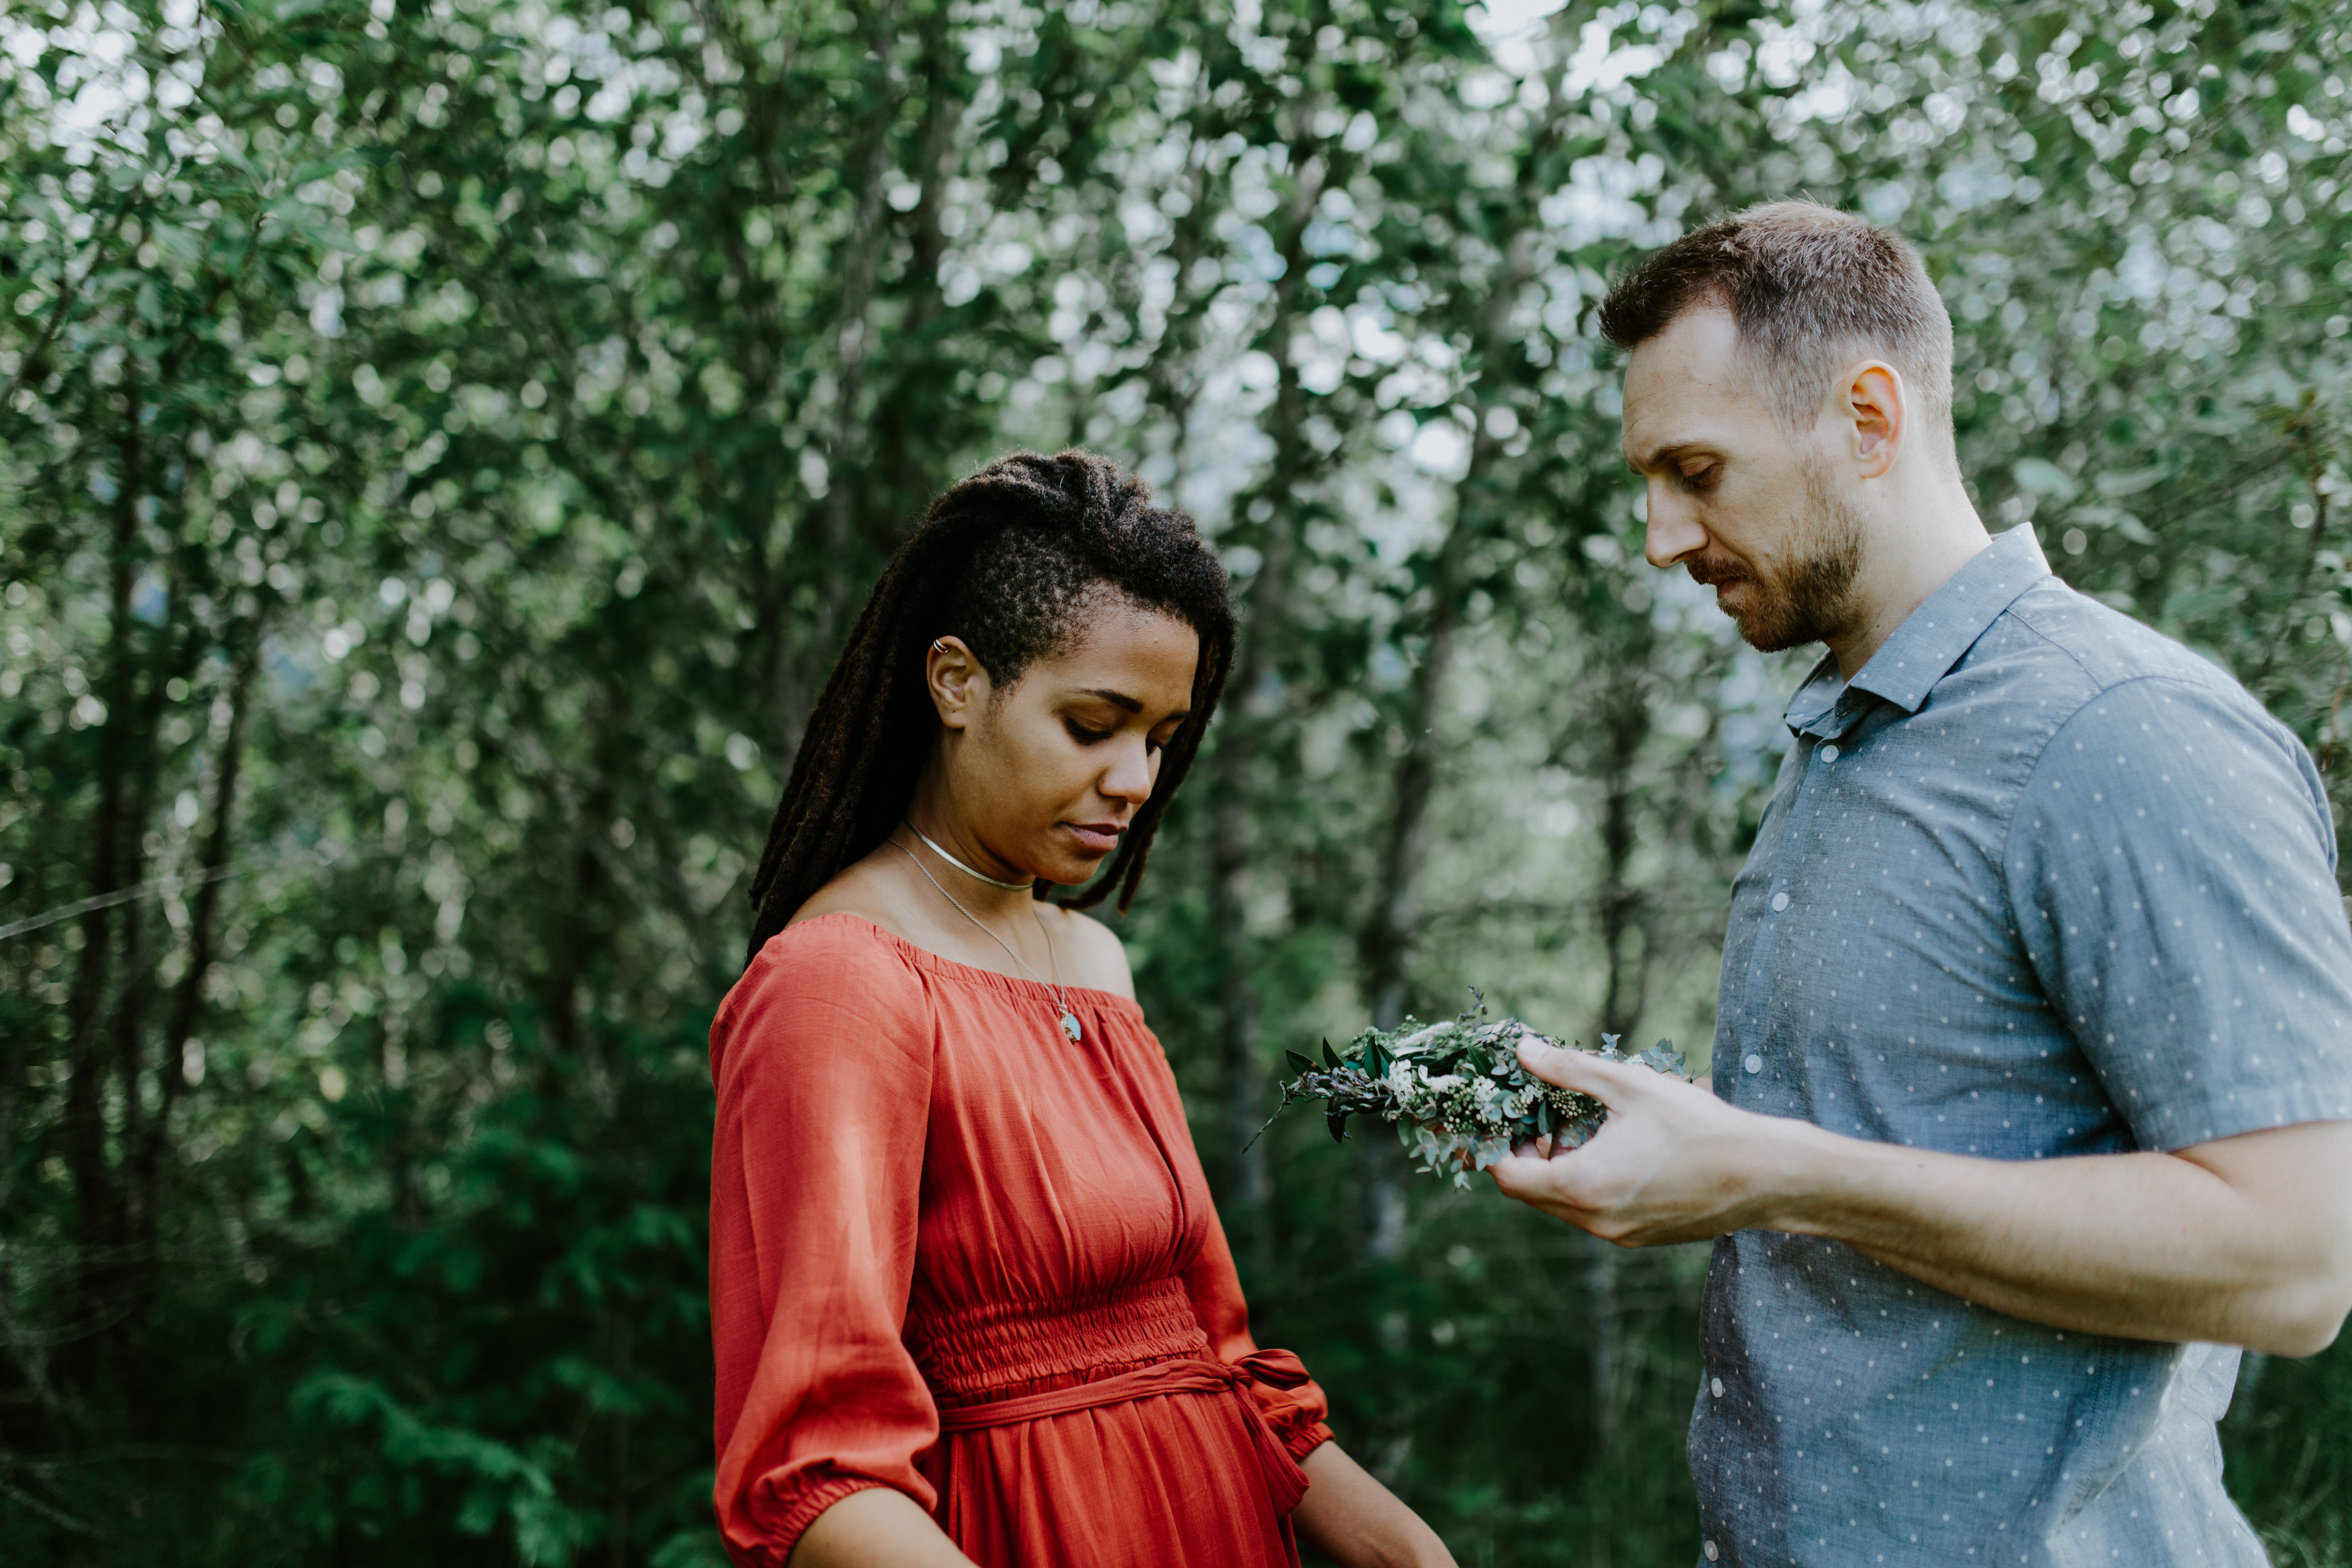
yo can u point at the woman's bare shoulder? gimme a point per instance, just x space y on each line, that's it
1098 959
867 891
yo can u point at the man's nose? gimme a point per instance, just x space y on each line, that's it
1673 532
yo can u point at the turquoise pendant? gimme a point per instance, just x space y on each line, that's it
1070 1027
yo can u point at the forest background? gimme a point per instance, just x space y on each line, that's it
443 442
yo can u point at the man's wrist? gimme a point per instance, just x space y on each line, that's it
1798 1175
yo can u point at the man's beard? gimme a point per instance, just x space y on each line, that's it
1811 599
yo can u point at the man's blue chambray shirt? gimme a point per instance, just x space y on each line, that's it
2038 881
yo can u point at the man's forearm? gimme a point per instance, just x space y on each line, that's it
2245 1240
2141 1245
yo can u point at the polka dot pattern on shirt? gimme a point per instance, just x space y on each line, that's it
2037 882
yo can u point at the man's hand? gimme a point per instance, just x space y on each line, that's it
2243 1241
1671 1164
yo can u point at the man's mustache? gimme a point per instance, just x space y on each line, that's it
1707 570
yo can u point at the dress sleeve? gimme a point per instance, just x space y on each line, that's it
1295 1415
822 1057
2169 871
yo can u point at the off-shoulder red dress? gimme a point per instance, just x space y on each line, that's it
954 1254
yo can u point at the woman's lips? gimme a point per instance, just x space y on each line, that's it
1096 837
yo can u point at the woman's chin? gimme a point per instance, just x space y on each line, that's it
1069 870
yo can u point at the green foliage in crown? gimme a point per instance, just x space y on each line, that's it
1455 1091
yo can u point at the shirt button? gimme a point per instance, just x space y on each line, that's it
1779 902
1754 1062
1715 1386
1829 753
1707 1547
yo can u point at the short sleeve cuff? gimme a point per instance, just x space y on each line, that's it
776 1549
2234 1112
1303 1438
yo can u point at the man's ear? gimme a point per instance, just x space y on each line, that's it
957 680
1877 405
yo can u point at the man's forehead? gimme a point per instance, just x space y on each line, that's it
1664 420
1686 386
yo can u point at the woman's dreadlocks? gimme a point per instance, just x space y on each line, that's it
1009 561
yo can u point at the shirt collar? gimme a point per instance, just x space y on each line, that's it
1930 640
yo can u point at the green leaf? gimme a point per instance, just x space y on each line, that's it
1331 1056
1298 1063
1337 1121
2117 482
2044 477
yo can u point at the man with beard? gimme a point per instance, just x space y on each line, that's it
2033 1052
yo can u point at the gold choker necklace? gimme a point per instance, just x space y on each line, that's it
1028 886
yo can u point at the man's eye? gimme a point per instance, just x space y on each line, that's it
1705 478
1083 735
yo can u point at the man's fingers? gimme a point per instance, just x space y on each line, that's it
1541 1184
1519 1174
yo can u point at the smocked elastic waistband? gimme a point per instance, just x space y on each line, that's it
981 1353
1286 1483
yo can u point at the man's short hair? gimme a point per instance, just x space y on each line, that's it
1808 287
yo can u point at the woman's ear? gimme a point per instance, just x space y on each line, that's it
958 681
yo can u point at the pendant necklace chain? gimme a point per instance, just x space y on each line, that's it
1069 1020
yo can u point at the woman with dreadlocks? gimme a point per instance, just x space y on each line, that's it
970 1299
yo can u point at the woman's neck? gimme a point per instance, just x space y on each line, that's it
953 851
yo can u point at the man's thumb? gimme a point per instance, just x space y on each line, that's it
1580 1070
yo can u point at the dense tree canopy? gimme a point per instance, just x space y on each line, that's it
445 441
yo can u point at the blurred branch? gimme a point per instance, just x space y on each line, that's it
325 854
68 288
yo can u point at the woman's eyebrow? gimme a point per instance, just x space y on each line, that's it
1117 699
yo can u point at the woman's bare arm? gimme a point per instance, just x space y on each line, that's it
877 1527
1357 1523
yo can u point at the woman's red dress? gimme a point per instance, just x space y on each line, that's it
954 1254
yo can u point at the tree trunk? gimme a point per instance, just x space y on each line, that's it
114 865
1247 724
188 1006
1625 922
1602 1312
1395 922
1395 925
861 258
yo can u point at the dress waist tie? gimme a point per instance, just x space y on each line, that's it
1286 1483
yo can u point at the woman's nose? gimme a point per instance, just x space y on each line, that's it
1130 775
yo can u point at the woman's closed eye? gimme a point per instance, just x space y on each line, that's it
1085 734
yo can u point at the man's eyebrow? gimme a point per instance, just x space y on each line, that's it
1117 699
1661 456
